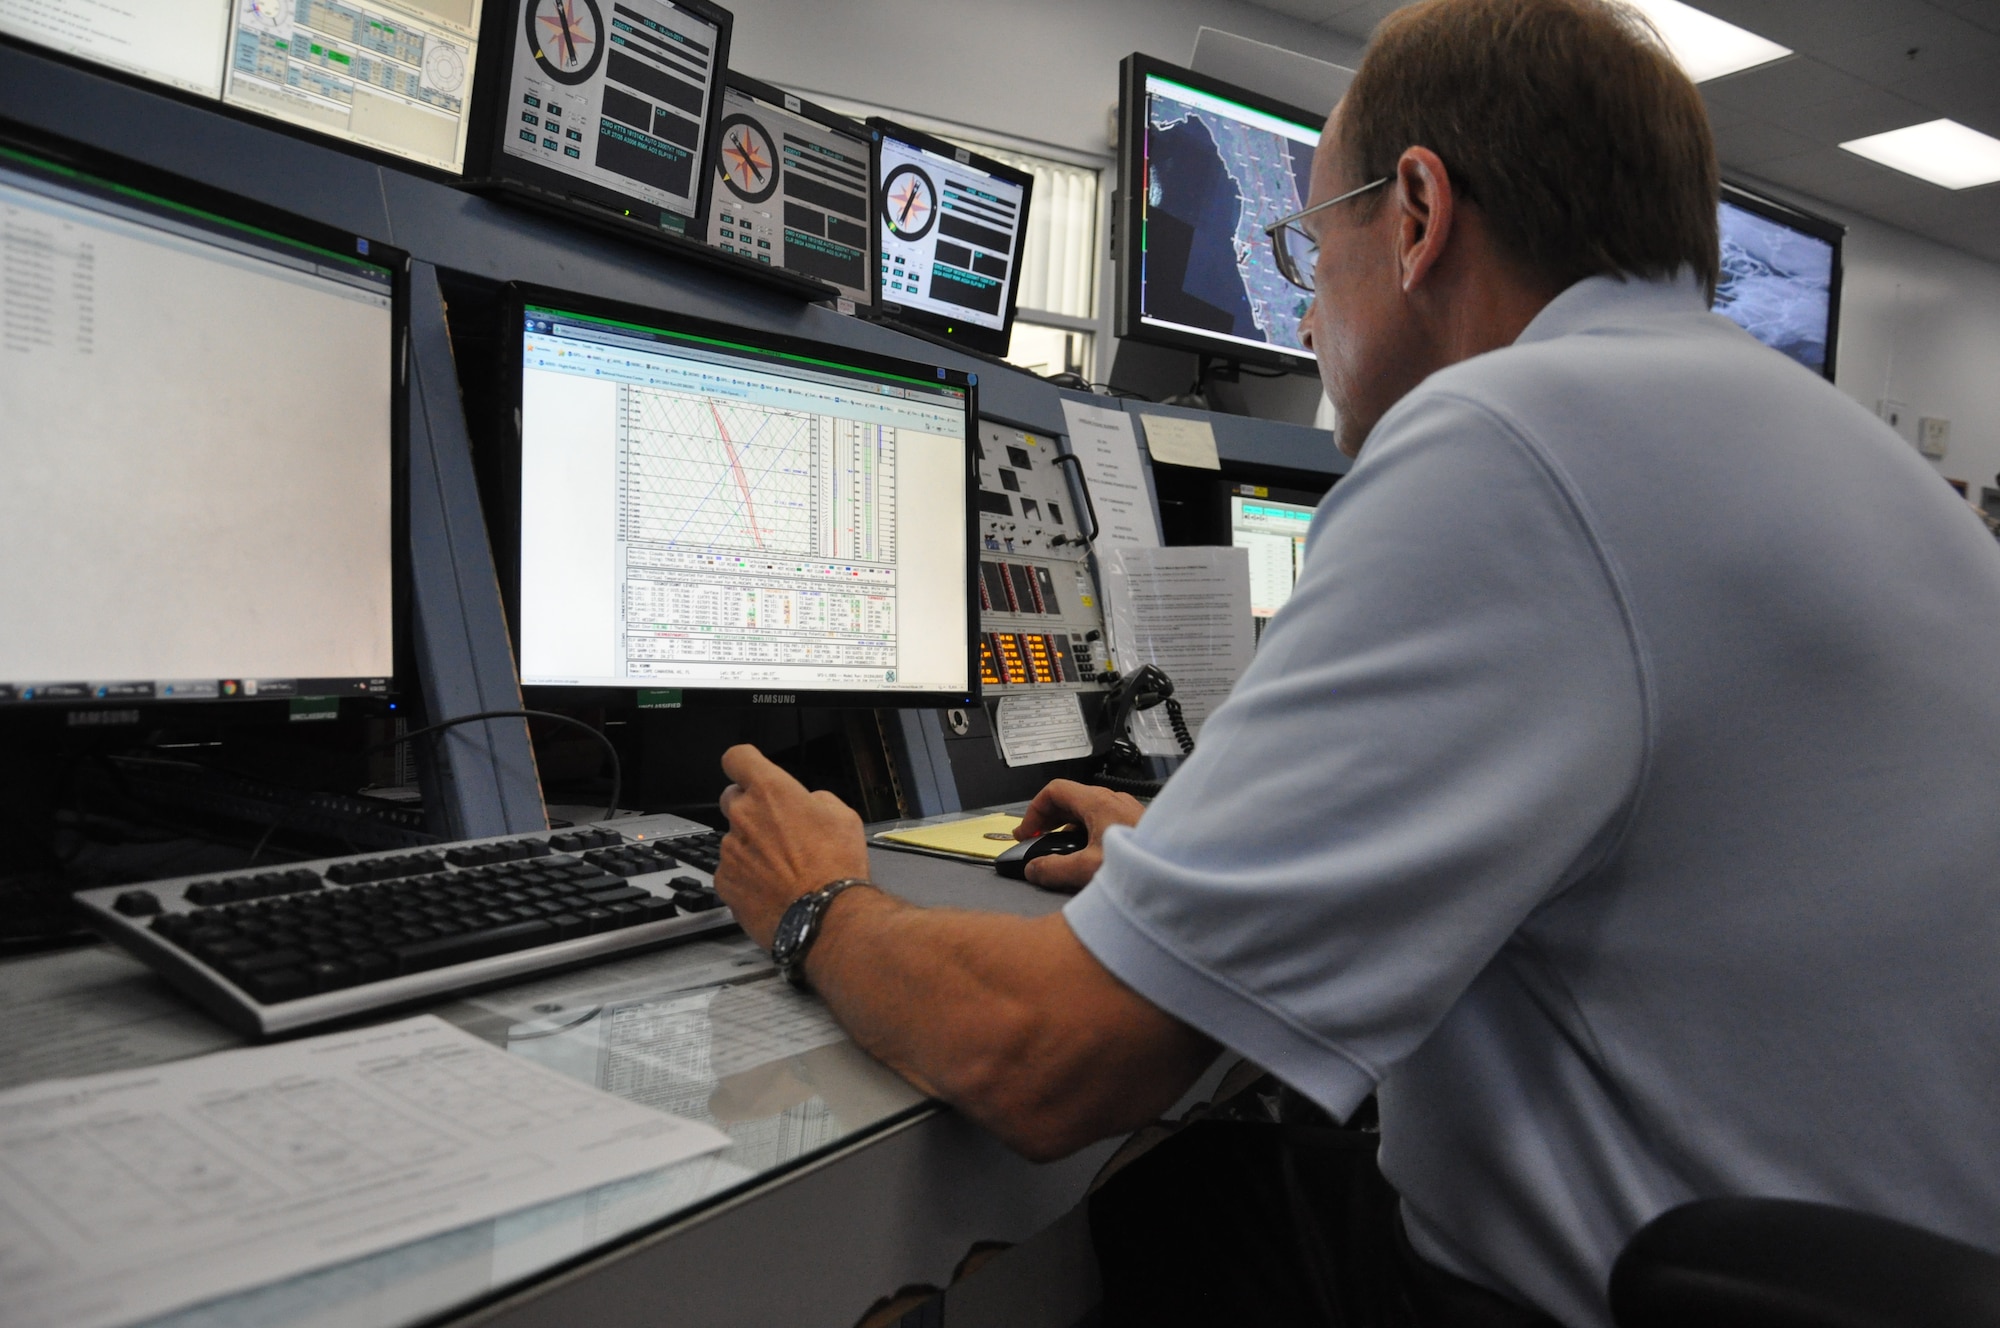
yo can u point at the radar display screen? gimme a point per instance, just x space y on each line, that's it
1214 173
1779 283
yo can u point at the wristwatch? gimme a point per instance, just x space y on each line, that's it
799 927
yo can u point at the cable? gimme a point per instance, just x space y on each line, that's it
1179 726
617 767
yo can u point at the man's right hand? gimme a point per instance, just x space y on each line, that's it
1066 802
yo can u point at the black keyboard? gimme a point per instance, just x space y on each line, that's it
285 950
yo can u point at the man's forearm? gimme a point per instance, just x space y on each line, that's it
1009 1019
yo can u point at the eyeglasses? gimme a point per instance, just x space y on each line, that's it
1296 251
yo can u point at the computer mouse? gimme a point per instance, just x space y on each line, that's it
1014 862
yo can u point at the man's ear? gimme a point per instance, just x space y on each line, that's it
1427 208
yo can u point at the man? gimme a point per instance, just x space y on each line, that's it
1614 797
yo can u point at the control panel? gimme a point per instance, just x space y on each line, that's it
1041 624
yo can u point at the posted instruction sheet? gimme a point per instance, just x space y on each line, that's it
1188 611
125 1195
1103 440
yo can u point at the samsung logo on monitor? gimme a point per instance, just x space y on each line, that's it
773 698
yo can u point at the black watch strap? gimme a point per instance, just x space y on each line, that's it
800 927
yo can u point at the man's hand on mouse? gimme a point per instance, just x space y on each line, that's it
1065 802
783 841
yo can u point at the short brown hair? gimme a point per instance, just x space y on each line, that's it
1585 147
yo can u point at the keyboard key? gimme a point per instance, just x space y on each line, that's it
569 926
278 984
420 955
330 975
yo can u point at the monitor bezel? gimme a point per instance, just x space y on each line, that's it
985 340
779 99
1820 228
1128 323
505 524
126 174
586 199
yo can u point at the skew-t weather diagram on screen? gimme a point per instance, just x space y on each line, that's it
694 516
1777 284
1216 173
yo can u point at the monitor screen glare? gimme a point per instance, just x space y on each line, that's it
708 515
1215 174
198 445
951 235
616 94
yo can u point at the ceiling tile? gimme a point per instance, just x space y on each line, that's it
1798 81
1808 25
1969 94
1758 141
1939 42
1866 110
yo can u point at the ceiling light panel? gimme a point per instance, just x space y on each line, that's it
1705 46
1943 151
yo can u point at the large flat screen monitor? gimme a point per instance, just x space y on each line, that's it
392 75
610 104
179 43
1203 168
202 443
706 513
1781 277
954 223
792 188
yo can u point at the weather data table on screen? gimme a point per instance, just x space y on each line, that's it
1218 173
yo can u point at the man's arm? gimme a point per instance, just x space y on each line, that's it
1011 1020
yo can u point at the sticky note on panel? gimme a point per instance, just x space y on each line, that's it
1181 442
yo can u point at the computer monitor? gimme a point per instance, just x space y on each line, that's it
954 223
792 187
610 105
1203 167
1781 276
699 513
1274 531
179 43
203 443
391 75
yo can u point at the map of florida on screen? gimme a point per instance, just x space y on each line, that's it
1776 284
1217 173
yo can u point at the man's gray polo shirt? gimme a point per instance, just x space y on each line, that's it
1620 794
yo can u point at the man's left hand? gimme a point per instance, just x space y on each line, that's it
783 842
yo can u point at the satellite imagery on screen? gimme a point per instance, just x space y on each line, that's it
1214 180
1775 285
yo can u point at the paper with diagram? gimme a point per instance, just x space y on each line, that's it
125 1195
1188 611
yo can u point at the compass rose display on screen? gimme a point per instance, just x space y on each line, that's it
749 159
909 202
567 37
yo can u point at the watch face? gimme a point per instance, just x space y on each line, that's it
792 929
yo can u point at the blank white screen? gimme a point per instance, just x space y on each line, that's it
177 42
197 446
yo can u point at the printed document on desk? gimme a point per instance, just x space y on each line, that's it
1187 610
1103 440
126 1195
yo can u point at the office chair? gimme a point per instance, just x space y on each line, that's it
1782 1263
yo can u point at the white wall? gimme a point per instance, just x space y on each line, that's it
1045 70
1920 324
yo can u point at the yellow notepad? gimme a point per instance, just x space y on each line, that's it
966 838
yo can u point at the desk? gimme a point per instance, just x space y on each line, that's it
843 1184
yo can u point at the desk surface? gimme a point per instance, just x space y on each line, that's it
89 1010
